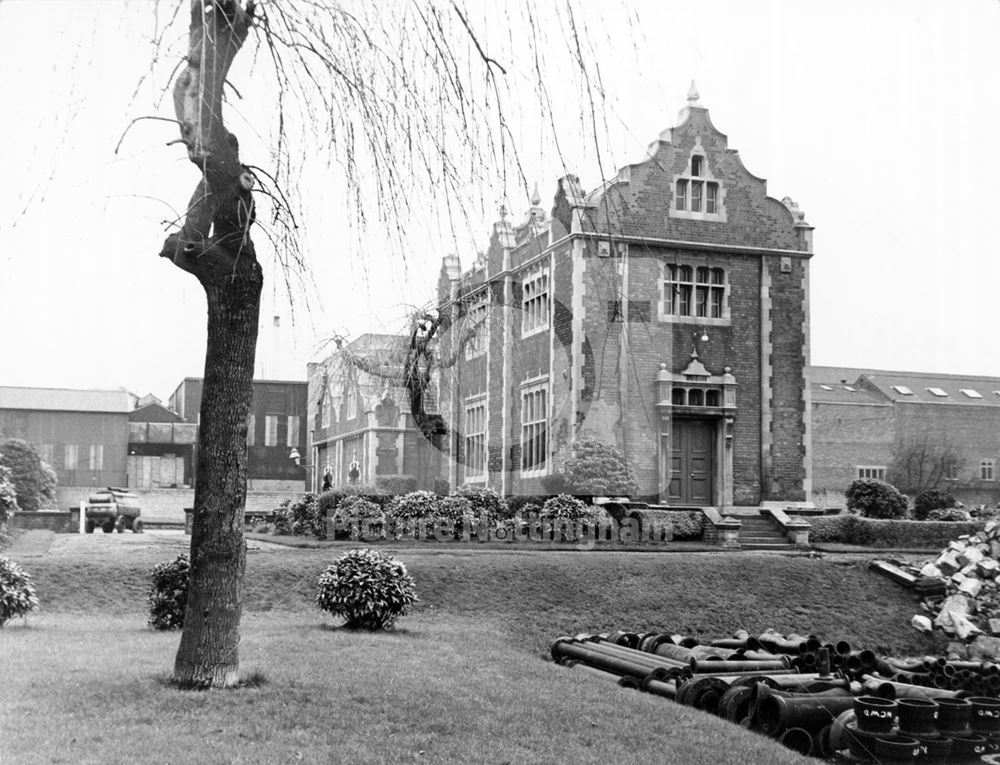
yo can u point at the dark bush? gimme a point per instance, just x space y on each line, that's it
8 496
931 499
520 504
355 517
302 517
368 588
949 515
17 593
850 529
485 502
168 596
416 504
875 499
563 507
596 469
396 484
688 525
33 480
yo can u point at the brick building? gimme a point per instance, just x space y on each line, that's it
910 428
362 416
665 311
275 430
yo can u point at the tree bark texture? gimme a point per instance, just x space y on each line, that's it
214 245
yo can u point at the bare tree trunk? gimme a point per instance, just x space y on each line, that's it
208 653
214 245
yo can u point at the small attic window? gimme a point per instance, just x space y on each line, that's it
971 393
826 387
939 392
902 390
696 165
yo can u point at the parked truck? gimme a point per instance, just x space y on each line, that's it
113 509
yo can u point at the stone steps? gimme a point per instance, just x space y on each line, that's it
759 533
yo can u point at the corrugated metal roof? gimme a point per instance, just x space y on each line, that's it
66 399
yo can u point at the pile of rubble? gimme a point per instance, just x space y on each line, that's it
961 592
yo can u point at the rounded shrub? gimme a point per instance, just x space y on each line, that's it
485 502
931 499
34 481
949 514
598 469
565 507
17 593
368 588
300 517
875 499
356 514
416 504
454 508
168 596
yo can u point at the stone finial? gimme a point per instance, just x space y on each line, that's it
693 94
536 198
798 215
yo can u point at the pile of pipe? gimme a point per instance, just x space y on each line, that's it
800 690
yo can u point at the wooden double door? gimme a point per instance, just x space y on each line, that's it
691 462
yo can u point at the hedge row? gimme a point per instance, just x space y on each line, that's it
851 529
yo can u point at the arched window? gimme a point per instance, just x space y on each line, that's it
711 398
678 397
696 397
696 161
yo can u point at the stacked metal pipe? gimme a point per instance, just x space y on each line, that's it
791 687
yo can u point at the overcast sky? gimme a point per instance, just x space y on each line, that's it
879 117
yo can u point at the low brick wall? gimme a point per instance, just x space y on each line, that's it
58 521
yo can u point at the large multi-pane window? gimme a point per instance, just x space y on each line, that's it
475 325
534 421
352 401
698 292
96 461
270 430
871 471
697 194
475 439
535 302
70 456
987 470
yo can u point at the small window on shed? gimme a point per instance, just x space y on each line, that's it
902 390
939 392
971 393
850 388
826 387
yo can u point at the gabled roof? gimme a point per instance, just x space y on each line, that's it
903 387
154 412
66 399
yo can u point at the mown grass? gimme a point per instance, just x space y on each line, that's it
462 680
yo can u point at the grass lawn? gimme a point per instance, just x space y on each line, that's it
462 680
